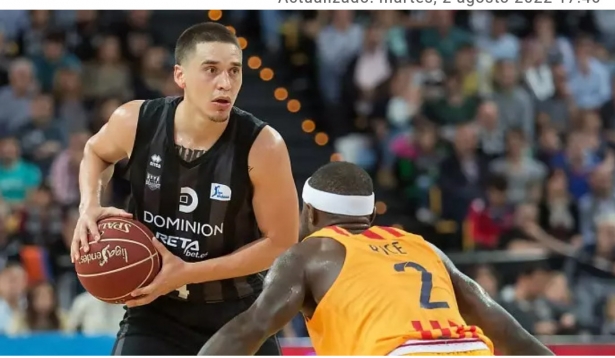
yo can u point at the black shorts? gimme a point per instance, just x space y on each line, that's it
172 327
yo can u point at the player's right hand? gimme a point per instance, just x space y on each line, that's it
88 222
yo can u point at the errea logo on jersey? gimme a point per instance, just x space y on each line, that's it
220 192
155 161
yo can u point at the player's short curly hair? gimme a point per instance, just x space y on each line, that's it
199 33
342 178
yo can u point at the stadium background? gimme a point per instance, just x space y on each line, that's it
490 133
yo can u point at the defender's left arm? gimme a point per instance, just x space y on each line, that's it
276 207
282 298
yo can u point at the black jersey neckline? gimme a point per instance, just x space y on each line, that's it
170 124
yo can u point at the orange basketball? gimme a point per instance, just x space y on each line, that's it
123 260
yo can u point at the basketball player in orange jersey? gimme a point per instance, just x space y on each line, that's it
369 290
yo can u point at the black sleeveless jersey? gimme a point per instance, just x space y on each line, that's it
199 209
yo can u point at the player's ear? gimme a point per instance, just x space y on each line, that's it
178 76
373 217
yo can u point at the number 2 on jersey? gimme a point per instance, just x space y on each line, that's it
183 292
426 285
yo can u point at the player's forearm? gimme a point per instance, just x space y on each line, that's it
250 259
240 337
94 175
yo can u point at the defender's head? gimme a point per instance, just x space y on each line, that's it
208 68
337 193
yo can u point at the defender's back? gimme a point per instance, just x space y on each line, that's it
393 296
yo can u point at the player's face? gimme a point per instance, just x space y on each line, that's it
211 78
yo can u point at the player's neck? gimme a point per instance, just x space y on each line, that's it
193 127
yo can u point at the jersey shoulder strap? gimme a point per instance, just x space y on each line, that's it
151 126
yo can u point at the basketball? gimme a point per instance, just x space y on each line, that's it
123 260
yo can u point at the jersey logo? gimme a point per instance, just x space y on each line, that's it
156 161
220 192
152 181
188 200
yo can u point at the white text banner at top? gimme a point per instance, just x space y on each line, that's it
312 5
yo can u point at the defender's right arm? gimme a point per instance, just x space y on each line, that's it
477 308
111 144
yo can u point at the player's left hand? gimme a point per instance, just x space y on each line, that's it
170 278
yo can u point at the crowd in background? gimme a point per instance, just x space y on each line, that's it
495 128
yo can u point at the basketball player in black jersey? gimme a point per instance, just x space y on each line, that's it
212 182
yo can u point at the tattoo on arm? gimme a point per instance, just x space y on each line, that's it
282 298
477 308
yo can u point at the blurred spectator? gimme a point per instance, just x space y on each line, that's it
486 277
577 162
337 44
444 36
488 218
515 105
107 75
149 82
549 145
91 316
560 299
430 76
62 268
15 98
5 60
517 238
491 133
41 314
9 243
395 33
85 34
465 174
137 34
418 157
537 72
500 44
53 58
558 110
367 81
607 114
41 219
31 37
522 172
103 112
559 214
558 48
608 327
455 108
64 175
43 137
467 68
12 295
17 177
590 273
589 80
68 94
598 202
13 22
405 102
526 302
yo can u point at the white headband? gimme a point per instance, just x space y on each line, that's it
350 205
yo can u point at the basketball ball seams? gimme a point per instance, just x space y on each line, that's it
136 225
119 269
123 260
151 269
